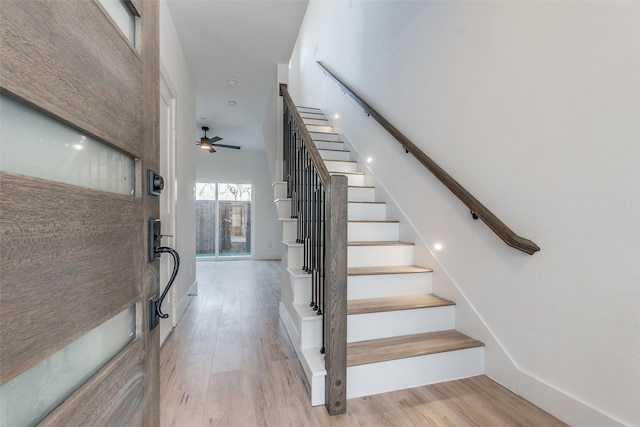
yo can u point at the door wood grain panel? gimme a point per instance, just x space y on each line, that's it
68 58
73 257
68 259
112 397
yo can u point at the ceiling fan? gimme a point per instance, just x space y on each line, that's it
208 143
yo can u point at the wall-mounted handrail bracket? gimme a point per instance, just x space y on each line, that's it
477 208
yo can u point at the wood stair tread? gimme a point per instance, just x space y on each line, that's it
333 149
392 269
379 243
394 303
380 350
345 173
385 221
341 161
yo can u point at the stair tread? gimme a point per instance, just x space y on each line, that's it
398 302
379 243
345 173
389 221
393 269
332 149
384 349
341 161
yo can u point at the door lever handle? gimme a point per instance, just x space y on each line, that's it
174 273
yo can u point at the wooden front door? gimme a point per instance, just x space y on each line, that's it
74 257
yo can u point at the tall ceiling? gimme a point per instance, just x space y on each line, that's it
239 39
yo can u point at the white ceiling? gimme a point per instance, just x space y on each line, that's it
240 39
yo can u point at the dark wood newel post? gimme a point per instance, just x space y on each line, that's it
336 297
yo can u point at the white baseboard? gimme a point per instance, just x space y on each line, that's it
184 302
311 360
268 256
562 405
290 327
499 364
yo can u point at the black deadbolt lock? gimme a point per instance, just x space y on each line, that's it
155 183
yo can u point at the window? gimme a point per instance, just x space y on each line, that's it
122 15
223 219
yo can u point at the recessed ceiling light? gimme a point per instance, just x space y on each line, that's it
231 82
232 103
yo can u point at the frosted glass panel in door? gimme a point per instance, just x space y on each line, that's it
29 397
34 144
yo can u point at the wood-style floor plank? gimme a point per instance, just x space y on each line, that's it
267 387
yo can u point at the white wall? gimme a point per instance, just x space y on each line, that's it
247 167
176 71
534 107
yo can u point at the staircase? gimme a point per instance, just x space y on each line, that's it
399 334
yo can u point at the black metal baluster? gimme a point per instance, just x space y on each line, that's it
322 255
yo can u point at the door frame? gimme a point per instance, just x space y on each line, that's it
168 198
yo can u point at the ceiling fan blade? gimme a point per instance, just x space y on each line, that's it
215 139
235 147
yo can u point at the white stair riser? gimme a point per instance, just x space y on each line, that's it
367 211
308 110
335 155
353 180
324 129
387 285
329 145
311 332
340 166
310 358
284 208
323 136
373 231
279 190
363 194
300 285
294 255
289 230
370 326
315 121
375 378
310 326
316 374
367 256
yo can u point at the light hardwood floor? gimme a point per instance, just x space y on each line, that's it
229 363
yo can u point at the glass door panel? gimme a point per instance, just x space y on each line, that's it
205 228
235 228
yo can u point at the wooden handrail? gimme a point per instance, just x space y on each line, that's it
306 136
478 210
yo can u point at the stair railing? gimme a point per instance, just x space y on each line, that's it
319 202
478 210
